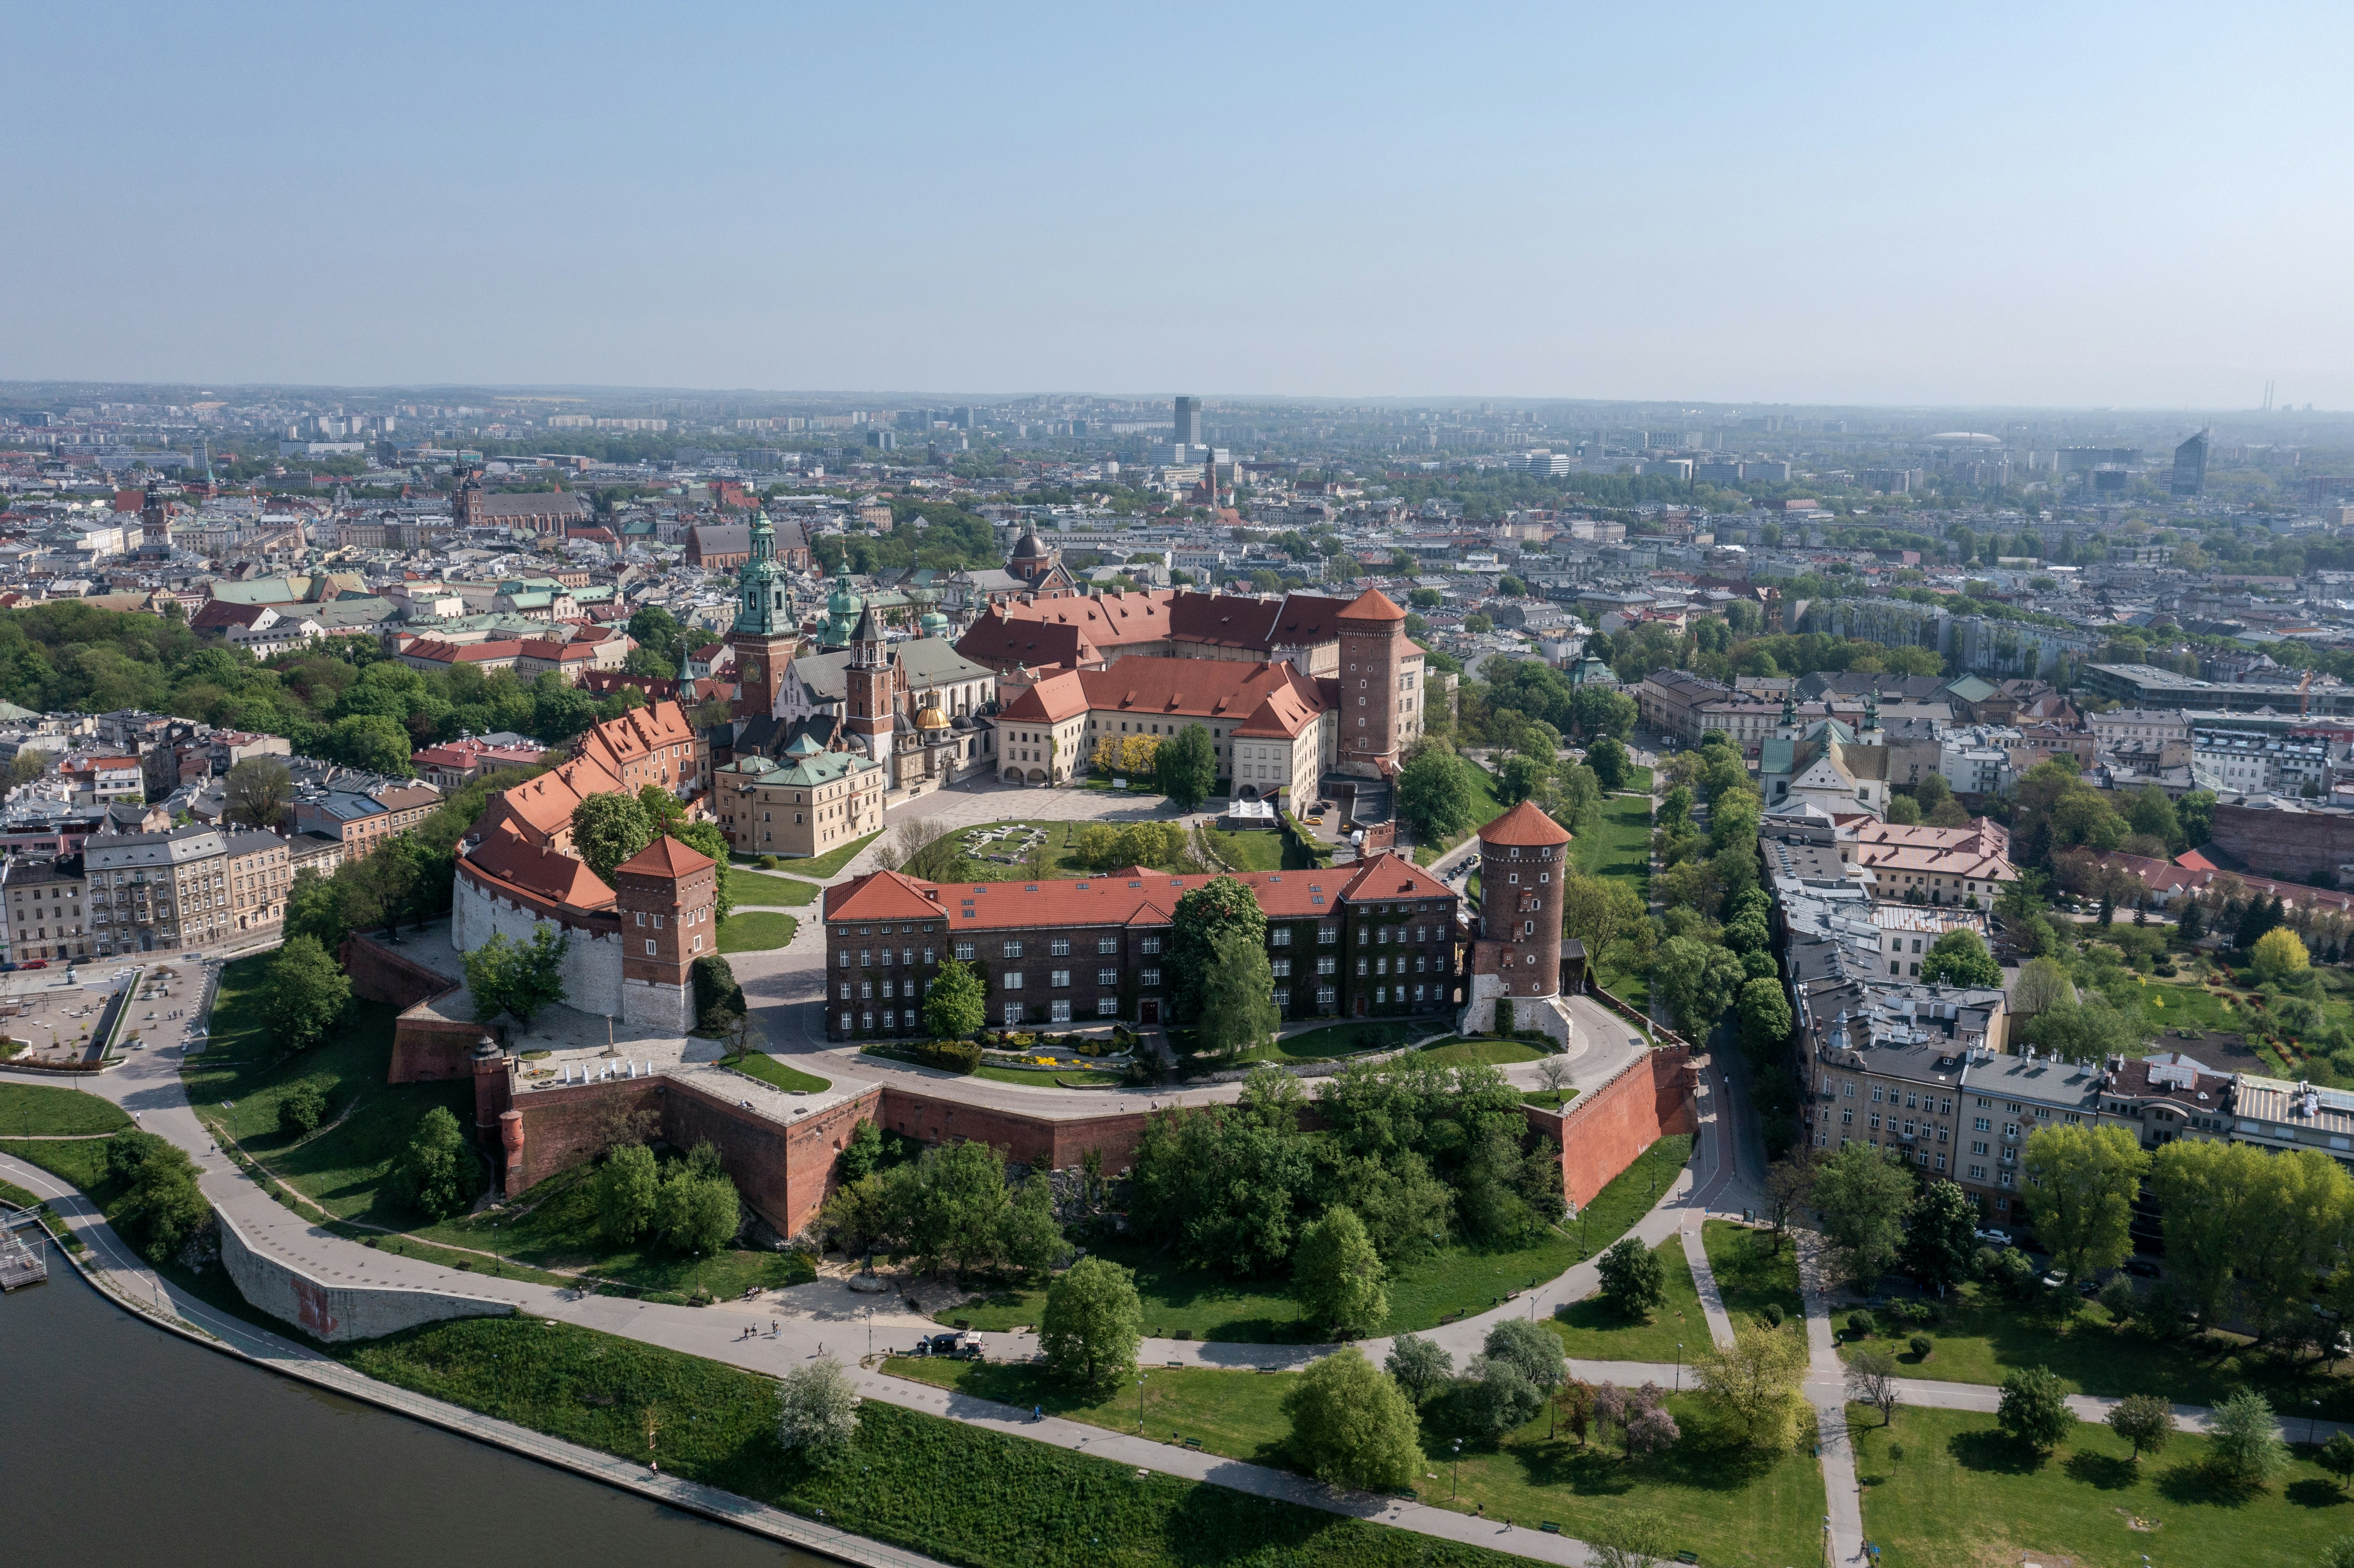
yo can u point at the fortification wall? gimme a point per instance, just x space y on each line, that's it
1604 1129
425 1045
338 1312
592 960
1037 1141
2296 846
564 1127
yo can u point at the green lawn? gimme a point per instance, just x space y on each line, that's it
1090 1078
1594 1331
1618 846
33 1110
1248 851
1445 1282
1498 1053
554 1226
1980 1337
770 1070
1549 1099
1962 1494
756 932
1750 1272
824 866
1337 1039
1236 1414
753 888
918 1481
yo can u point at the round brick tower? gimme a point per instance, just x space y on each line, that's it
1522 855
1372 680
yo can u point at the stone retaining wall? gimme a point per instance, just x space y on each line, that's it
338 1312
1605 1129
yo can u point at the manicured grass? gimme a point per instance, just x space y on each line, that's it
1248 851
1498 1053
1046 1079
1980 1337
915 1480
1965 1494
1618 846
756 932
554 1226
1749 1273
1238 1414
1062 849
81 1163
1549 1099
34 1110
753 887
1632 1193
12 1193
345 1166
821 866
1340 1040
770 1070
1594 1331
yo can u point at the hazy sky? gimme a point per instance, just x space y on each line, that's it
2141 206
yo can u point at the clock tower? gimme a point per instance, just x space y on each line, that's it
763 637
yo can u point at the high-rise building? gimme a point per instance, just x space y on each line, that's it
2190 466
1187 429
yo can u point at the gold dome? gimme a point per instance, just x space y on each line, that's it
931 718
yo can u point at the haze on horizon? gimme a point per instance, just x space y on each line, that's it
2133 207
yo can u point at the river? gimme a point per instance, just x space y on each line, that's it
126 1444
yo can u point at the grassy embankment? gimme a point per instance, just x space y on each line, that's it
42 1110
1618 847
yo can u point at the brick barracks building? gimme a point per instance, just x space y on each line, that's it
1378 939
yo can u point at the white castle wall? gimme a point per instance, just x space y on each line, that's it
592 964
669 1008
338 1312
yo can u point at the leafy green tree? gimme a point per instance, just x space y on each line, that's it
627 1185
1960 958
2279 957
608 829
817 1411
2295 1205
1027 1236
2243 1440
1607 758
1435 792
1203 919
2081 1185
2087 1029
1519 778
1225 1185
2196 812
2337 1458
372 742
1092 1323
520 978
302 1108
1630 1537
1940 1235
1764 1020
258 790
306 994
2153 814
1633 1280
863 1151
1419 1366
697 1210
1530 1347
437 1171
163 1206
955 1004
1698 980
1337 1276
1237 1011
2143 1420
2034 1410
1186 767
718 998
1353 1426
1863 1196
1753 1385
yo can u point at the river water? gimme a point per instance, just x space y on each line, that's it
122 1442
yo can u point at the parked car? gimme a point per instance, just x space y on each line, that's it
2141 1268
1994 1238
960 1346
36 964
2055 1279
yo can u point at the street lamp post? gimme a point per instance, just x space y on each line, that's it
1140 1405
1680 1366
1455 1485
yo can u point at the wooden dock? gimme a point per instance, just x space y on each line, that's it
24 1251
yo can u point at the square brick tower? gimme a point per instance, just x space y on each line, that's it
667 893
1373 672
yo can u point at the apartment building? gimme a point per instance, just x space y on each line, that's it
45 910
361 822
190 887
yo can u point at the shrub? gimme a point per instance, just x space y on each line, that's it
767 862
1923 1346
1773 1314
949 1056
304 1107
1861 1325
1503 1017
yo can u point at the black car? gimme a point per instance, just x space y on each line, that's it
2141 1268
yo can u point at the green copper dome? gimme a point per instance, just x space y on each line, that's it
842 607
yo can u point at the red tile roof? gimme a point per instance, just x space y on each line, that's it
1052 700
1525 824
542 871
1131 897
666 857
1373 605
1219 689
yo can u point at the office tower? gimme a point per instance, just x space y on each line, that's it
1187 429
2190 466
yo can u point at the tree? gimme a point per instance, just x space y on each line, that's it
28 765
2337 1458
1631 1538
955 1004
1203 919
2043 985
437 1171
1940 1235
520 978
2081 1185
1698 980
2143 1420
1960 958
817 1411
1607 758
1633 1280
1337 1276
2204 1192
627 1185
1419 1367
863 1151
2034 1409
307 992
1789 1187
1764 1020
1863 1196
608 829
163 1206
2297 1203
1092 1323
697 1210
1754 1385
371 742
958 1207
304 1107
1351 1426
1519 778
2279 956
1186 767
2244 1439
1027 1236
1871 1380
259 791
718 996
1435 792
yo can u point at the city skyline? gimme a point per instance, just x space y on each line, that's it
1836 207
